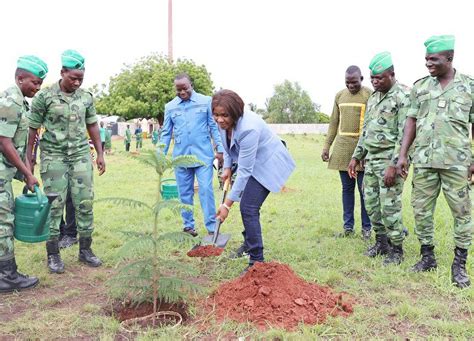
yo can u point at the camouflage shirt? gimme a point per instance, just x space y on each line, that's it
442 122
383 125
13 120
64 117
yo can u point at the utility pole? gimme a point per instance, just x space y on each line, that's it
170 31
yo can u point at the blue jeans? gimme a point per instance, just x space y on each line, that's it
185 182
252 199
348 199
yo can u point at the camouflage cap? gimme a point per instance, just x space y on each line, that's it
437 44
381 62
72 59
33 65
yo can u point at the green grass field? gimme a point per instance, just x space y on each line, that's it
298 229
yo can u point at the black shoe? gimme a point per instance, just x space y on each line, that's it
381 246
251 263
66 241
428 260
11 279
241 251
346 234
85 253
191 231
395 255
366 235
55 263
458 269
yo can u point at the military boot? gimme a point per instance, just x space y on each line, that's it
395 255
11 279
458 269
55 263
428 260
85 252
380 247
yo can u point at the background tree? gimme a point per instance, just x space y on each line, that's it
291 104
142 89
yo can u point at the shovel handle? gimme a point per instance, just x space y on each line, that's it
218 223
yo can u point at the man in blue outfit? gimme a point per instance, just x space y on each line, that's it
188 117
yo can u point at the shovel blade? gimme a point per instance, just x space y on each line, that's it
221 241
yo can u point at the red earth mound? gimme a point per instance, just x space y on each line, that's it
205 251
270 294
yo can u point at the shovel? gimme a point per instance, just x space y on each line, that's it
218 240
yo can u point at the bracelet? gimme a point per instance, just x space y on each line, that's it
227 207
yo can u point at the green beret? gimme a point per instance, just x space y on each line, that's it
437 44
33 65
72 59
381 62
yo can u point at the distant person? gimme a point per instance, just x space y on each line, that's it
102 133
438 122
344 129
264 165
108 140
379 145
128 138
14 110
155 137
139 137
188 118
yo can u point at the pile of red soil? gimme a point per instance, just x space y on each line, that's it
205 251
270 294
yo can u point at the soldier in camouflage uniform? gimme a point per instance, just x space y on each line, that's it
379 144
14 109
438 122
67 112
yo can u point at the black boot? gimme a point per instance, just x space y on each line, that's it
458 269
55 263
380 247
395 255
11 279
428 260
85 253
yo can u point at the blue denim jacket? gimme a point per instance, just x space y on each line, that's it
259 153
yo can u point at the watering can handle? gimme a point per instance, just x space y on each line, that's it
39 195
36 189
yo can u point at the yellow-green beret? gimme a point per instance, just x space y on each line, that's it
33 65
437 44
381 62
72 59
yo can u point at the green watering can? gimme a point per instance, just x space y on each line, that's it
32 215
169 189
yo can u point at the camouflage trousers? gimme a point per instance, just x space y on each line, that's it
383 204
427 183
7 217
60 173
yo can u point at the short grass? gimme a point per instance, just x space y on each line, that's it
298 229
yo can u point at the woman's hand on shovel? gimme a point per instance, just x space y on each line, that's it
222 213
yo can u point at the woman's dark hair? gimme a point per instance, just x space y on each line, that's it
230 101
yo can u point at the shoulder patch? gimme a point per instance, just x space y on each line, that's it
421 79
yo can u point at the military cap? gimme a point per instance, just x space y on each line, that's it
33 65
72 59
437 44
381 62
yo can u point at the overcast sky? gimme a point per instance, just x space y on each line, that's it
247 45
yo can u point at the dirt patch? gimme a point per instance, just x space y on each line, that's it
205 251
270 294
288 189
79 285
128 310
